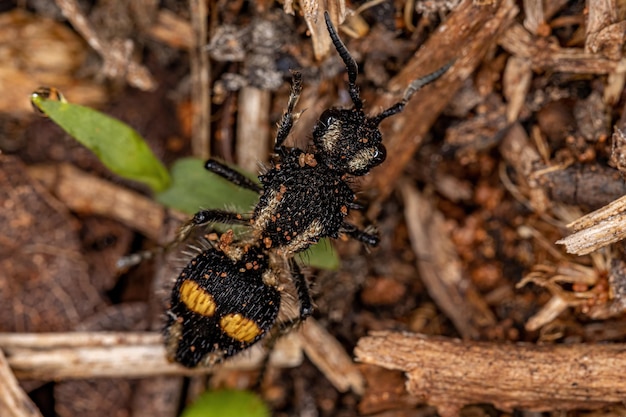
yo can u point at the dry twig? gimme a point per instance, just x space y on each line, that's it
200 76
55 356
451 374
440 267
330 357
313 13
597 229
605 225
605 33
88 194
252 122
550 56
13 400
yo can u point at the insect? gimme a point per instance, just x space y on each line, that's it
228 297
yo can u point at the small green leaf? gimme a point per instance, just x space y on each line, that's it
194 188
227 403
117 145
321 255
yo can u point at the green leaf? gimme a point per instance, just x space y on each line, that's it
227 403
321 255
194 188
117 145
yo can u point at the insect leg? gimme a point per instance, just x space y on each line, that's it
285 326
231 175
204 217
369 239
199 219
302 287
356 206
286 122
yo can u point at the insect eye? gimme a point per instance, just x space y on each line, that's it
379 155
327 118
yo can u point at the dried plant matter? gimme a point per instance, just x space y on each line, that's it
510 376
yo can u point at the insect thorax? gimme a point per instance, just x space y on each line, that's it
303 201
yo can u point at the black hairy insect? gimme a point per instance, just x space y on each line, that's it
228 297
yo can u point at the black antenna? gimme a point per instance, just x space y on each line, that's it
415 86
350 63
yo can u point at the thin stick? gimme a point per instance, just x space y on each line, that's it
73 355
200 76
87 193
441 268
13 400
450 374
